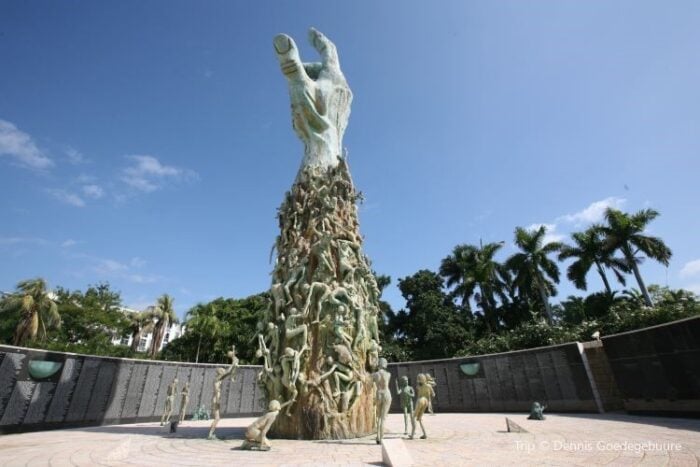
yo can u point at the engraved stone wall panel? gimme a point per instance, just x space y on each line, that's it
259 394
101 391
548 376
534 377
196 381
83 389
43 392
226 386
147 407
564 376
9 370
657 369
19 403
233 399
135 390
493 382
505 376
483 399
60 402
120 387
247 403
520 379
208 387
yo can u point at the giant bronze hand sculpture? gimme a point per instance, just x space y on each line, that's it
320 99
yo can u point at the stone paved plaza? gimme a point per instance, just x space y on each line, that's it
455 439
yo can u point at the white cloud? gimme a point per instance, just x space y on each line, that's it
691 268
594 212
69 243
75 157
67 197
147 174
137 262
695 288
93 191
112 268
19 146
20 240
550 235
109 266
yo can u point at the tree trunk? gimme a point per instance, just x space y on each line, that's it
638 276
135 340
604 277
545 301
322 340
196 358
486 303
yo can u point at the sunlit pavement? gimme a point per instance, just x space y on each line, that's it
453 439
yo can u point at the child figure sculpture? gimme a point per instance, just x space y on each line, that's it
425 392
406 395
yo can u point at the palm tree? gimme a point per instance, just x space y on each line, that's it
624 232
589 250
37 310
532 267
139 323
469 267
204 320
164 314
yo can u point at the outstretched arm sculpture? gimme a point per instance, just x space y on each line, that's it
320 98
221 375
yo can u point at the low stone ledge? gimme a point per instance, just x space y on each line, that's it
395 453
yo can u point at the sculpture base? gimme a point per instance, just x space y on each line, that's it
311 419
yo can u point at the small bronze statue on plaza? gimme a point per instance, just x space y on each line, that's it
184 400
432 383
537 411
383 397
406 395
169 403
425 393
221 375
256 433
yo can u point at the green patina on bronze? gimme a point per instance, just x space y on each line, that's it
41 369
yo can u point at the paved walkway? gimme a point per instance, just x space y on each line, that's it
454 439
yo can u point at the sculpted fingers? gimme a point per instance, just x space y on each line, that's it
326 49
288 56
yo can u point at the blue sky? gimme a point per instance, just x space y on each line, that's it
148 144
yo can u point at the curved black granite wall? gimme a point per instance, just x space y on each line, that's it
89 390
510 381
657 369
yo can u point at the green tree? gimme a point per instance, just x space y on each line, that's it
625 232
37 311
532 268
164 314
469 267
589 250
204 320
239 318
139 323
431 326
90 320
